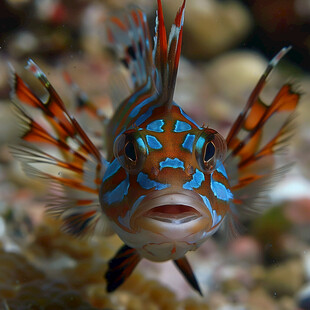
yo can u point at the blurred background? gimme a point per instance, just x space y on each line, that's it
226 47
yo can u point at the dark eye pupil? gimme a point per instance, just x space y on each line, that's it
130 151
210 151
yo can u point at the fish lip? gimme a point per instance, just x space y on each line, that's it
190 205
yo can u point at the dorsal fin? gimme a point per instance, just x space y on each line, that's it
128 34
167 54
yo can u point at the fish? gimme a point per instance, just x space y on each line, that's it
163 183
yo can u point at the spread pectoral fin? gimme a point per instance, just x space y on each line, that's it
185 268
54 147
261 131
121 266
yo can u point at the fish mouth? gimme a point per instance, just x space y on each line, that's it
172 209
172 213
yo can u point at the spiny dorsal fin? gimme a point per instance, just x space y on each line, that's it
129 36
167 54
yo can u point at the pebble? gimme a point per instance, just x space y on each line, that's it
284 279
303 297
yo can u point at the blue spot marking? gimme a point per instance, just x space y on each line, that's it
188 142
188 118
200 143
142 145
198 178
118 193
146 183
153 142
172 163
112 169
220 168
181 126
220 191
156 126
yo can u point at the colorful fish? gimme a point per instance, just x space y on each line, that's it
166 184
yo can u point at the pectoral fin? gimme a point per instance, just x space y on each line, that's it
121 266
185 268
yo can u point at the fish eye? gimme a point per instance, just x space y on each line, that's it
130 150
209 149
209 152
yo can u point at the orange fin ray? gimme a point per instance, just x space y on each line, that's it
88 114
129 36
260 132
167 54
121 266
186 270
54 147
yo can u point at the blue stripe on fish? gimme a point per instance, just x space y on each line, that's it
188 118
146 183
142 118
207 203
118 193
111 170
220 168
215 218
156 126
188 142
198 178
181 126
220 191
153 142
125 221
134 97
171 163
137 109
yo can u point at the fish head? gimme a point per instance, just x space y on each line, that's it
166 190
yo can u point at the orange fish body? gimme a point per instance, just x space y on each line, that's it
167 184
166 190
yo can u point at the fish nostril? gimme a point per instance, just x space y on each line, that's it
155 171
190 170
